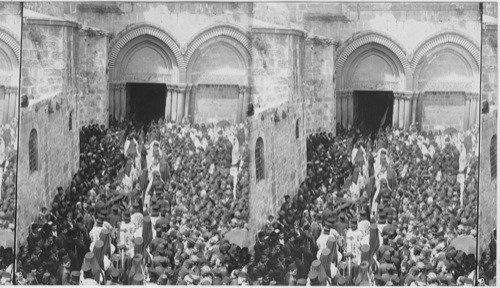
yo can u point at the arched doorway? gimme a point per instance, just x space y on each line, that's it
144 72
218 70
9 77
372 71
446 78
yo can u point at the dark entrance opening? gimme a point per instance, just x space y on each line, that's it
372 110
146 101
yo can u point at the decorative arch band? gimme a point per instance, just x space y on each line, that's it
11 42
216 31
448 37
372 37
144 29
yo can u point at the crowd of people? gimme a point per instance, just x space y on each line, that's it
8 170
391 208
154 205
149 204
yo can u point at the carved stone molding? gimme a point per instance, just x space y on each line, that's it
212 32
11 42
443 38
144 29
367 38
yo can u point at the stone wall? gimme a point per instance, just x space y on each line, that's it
319 86
277 71
487 184
488 128
93 98
10 37
285 162
182 20
402 28
10 19
216 102
489 76
48 71
442 109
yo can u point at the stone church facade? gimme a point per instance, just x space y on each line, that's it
10 36
303 67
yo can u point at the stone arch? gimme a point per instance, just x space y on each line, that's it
372 44
233 41
459 51
447 37
137 37
9 58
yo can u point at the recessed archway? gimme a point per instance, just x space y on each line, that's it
447 78
141 54
218 63
372 62
9 76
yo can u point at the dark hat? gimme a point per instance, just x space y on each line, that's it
86 267
75 276
115 273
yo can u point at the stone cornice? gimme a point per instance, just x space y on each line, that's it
50 22
280 31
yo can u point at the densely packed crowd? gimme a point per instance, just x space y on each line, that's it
8 169
390 209
487 263
156 205
148 205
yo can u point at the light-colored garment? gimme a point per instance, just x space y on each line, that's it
321 242
127 237
95 233
136 219
353 244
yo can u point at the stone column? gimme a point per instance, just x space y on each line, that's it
344 109
414 104
187 101
401 111
123 101
168 102
117 101
7 101
16 104
338 107
175 92
3 95
395 111
246 102
473 111
111 100
350 110
408 99
239 107
180 103
467 112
